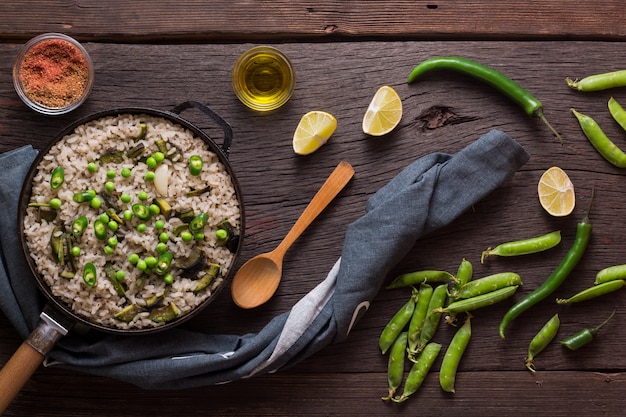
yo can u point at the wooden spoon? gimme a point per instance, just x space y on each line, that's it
257 280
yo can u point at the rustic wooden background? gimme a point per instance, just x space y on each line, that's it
161 55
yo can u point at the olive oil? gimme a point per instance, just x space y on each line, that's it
263 78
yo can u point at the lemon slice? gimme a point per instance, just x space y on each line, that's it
384 112
556 192
314 130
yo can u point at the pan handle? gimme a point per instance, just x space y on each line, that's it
228 131
25 361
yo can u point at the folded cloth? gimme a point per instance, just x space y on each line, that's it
428 194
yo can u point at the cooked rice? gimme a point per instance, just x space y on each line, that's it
86 144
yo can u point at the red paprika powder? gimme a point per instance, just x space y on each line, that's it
54 73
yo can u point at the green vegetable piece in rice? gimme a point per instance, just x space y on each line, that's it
57 245
112 157
164 314
210 274
143 131
128 313
117 285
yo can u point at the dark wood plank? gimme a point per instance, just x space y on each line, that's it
349 378
329 19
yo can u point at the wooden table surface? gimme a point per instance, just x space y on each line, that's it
164 54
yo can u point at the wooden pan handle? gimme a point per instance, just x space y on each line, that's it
17 372
25 361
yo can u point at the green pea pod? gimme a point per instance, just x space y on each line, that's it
487 284
395 365
600 141
611 273
397 324
415 278
541 340
419 370
524 246
464 274
597 82
593 292
584 336
417 319
431 324
452 358
618 112
479 301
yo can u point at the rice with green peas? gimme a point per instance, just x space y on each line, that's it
144 292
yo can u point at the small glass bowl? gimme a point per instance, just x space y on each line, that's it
39 105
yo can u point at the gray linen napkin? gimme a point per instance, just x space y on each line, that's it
428 194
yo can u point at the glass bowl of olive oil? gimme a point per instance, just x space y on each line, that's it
263 78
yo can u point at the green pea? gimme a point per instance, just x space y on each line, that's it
109 186
164 237
113 225
151 162
397 323
541 340
142 265
186 236
221 234
104 218
92 167
418 277
159 157
55 203
524 246
159 225
75 251
109 250
433 317
133 258
120 275
419 371
141 227
161 247
143 196
96 203
126 198
112 241
151 261
198 236
594 292
487 284
154 209
395 365
127 215
454 353
126 172
168 279
111 174
418 319
149 176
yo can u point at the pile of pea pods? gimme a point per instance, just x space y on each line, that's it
409 333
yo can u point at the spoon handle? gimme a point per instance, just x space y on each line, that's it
329 190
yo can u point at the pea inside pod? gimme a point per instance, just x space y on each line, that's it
418 371
541 340
524 246
597 82
395 365
454 353
600 141
397 323
593 292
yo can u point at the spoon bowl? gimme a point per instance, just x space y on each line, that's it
257 280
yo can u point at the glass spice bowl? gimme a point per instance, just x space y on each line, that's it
53 74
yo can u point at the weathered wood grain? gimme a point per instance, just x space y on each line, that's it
220 21
349 378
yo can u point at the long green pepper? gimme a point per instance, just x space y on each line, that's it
489 76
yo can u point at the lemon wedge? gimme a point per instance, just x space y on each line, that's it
556 192
314 130
383 113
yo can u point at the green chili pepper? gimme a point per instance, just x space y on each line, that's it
541 340
89 274
79 225
599 82
431 324
100 229
524 246
141 211
611 273
198 223
397 323
195 165
489 76
418 277
83 197
57 177
163 263
618 112
395 365
558 276
418 371
593 292
453 356
479 301
418 319
599 140
584 336
487 284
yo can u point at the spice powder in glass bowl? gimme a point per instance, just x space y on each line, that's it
53 74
